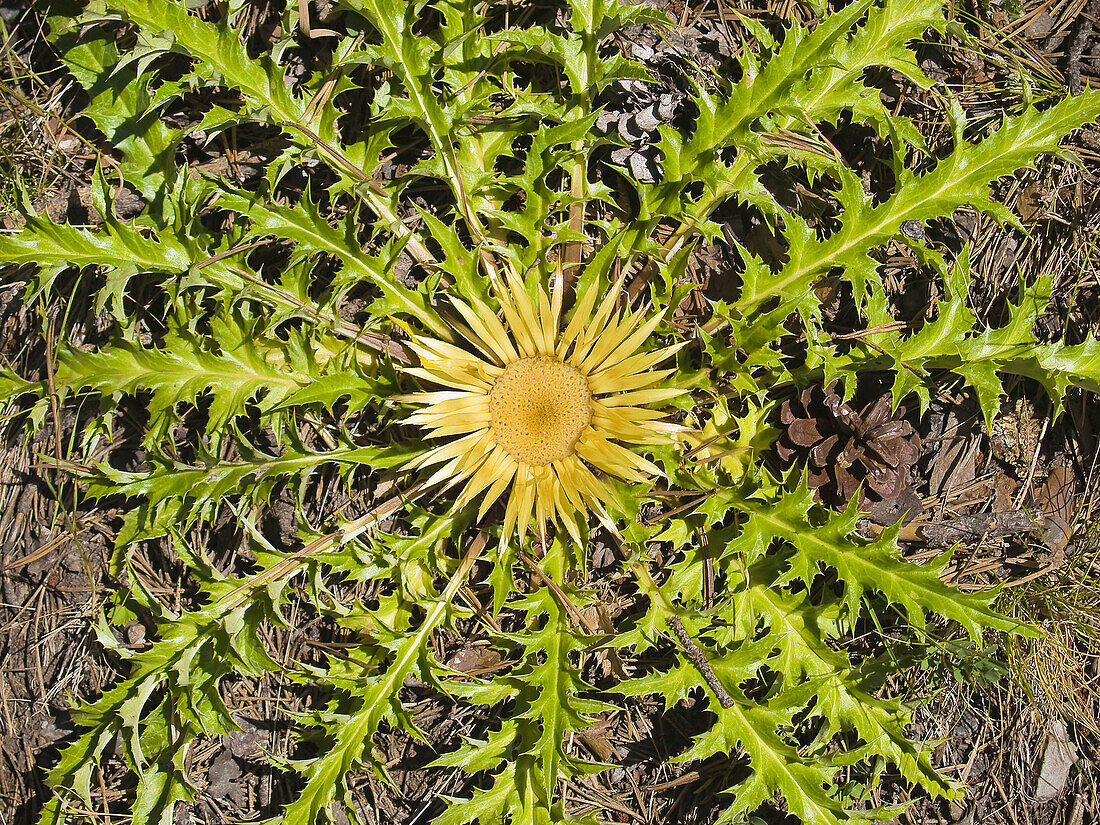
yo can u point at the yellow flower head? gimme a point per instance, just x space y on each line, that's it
539 409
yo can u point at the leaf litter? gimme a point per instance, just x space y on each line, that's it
47 597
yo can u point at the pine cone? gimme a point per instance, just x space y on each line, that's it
843 448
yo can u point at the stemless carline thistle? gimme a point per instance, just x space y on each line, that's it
539 408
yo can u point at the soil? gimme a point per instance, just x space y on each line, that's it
1016 723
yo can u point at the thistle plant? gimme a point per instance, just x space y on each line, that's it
431 298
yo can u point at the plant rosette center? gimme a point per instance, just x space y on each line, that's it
539 407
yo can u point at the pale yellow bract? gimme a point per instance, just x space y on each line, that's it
539 409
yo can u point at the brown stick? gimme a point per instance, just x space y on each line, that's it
699 659
1081 34
567 604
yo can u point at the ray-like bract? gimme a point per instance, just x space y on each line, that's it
541 412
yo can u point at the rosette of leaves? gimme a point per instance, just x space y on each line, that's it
280 334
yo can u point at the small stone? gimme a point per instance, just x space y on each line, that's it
666 107
339 814
223 776
1058 758
914 229
647 119
128 203
1041 25
620 155
643 169
606 121
630 131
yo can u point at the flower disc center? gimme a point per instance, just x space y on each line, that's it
539 408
